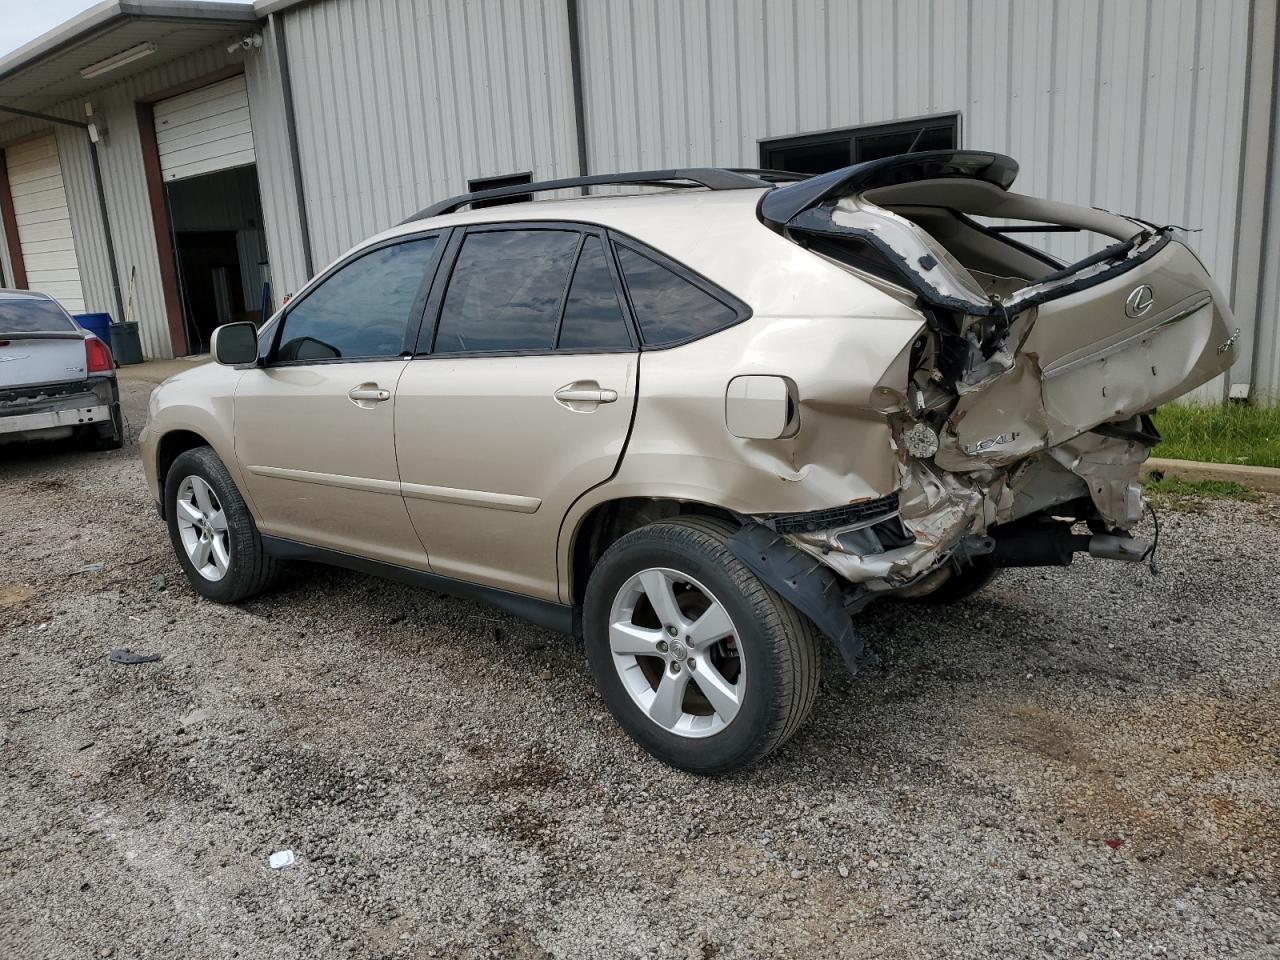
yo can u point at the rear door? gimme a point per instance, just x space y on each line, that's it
314 426
519 401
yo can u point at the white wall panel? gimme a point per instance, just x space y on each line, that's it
400 103
277 189
44 223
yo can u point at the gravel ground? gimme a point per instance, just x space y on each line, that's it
1079 761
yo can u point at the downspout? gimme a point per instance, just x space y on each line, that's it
291 126
575 71
106 230
98 189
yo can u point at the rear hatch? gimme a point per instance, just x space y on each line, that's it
1024 353
39 343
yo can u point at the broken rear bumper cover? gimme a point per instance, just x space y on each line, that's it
32 411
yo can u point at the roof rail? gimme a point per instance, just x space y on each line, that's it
713 178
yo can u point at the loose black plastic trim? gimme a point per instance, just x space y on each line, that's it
807 585
836 516
560 617
713 178
780 206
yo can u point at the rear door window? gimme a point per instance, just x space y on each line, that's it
361 310
593 318
506 291
669 308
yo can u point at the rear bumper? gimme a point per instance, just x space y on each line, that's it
52 419
29 412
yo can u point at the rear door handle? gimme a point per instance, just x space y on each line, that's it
585 391
367 394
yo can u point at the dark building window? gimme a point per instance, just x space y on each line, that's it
490 183
820 152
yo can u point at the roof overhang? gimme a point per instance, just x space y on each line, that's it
48 70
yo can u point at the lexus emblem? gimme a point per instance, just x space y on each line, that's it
1139 301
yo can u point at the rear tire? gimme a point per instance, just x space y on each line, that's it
743 695
222 537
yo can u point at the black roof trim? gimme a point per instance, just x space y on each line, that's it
782 205
713 178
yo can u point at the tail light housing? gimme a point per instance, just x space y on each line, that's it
98 355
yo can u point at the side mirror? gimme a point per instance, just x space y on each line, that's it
235 344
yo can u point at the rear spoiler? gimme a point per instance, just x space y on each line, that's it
42 334
782 204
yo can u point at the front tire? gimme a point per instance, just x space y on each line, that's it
212 530
702 664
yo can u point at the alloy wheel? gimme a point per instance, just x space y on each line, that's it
677 653
202 525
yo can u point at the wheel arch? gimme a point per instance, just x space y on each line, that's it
607 521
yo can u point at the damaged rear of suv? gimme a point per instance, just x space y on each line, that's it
699 427
1023 406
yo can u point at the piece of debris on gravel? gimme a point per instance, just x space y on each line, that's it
452 787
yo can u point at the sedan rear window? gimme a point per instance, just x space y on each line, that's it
33 316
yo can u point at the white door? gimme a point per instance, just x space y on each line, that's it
205 130
44 224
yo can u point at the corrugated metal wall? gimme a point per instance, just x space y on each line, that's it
276 187
400 103
1132 106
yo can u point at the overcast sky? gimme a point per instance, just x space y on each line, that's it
24 20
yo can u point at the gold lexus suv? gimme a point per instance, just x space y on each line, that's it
701 425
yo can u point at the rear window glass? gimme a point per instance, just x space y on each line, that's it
505 291
592 315
668 307
33 316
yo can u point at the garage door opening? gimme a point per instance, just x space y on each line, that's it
207 209
219 250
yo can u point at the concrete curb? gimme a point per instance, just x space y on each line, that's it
1256 478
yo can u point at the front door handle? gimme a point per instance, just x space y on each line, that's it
585 391
367 394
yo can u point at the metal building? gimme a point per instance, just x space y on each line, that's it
204 148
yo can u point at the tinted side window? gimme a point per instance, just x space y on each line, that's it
668 307
506 290
362 309
592 315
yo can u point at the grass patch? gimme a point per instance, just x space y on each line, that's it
1172 491
1220 433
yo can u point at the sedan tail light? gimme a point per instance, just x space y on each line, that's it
99 356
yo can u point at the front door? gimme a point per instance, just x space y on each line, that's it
522 404
314 427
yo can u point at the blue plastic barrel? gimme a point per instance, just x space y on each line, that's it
99 324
